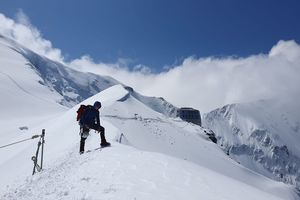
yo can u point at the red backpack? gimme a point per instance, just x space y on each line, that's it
80 111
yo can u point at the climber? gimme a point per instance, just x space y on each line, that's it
89 118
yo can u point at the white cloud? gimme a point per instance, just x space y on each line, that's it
203 83
22 18
142 69
207 83
287 50
27 35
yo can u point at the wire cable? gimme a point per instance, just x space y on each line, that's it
33 137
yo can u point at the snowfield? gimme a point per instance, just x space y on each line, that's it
124 172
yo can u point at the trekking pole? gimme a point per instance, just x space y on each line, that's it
43 141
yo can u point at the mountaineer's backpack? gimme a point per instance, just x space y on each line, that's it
80 111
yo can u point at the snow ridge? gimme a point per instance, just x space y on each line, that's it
158 104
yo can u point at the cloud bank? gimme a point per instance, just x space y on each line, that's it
208 83
22 31
203 83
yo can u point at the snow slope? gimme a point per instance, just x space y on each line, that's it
200 171
263 136
24 102
55 82
125 173
48 79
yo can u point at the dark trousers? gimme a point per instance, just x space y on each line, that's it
84 132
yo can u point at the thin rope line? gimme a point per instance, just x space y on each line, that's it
33 137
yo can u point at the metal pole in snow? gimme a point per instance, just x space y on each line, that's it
35 158
43 141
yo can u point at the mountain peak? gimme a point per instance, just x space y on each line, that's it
261 135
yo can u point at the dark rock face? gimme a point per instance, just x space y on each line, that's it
211 135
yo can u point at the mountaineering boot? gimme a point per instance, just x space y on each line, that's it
103 143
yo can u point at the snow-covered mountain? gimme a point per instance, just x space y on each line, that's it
263 136
68 86
153 155
53 81
197 169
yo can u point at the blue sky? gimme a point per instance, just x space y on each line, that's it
160 33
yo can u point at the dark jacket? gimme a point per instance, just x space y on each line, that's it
90 117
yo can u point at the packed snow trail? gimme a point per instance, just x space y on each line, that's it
121 172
